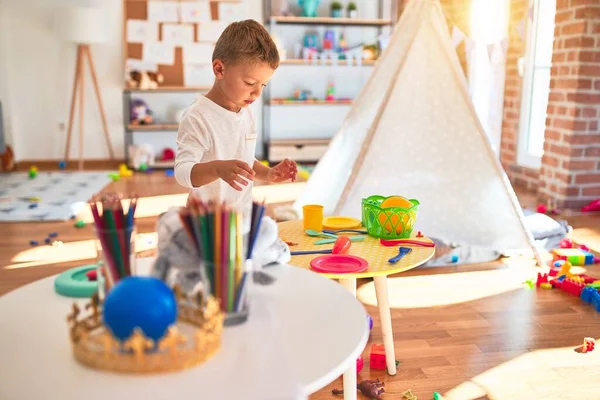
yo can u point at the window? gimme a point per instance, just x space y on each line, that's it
536 84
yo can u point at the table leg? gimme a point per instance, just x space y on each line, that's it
385 316
350 374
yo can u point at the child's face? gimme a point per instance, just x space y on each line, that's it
242 84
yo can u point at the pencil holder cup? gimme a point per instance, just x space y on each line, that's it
115 256
230 284
312 215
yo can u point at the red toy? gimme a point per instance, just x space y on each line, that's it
168 154
588 344
359 364
572 287
377 357
541 278
566 244
592 206
542 209
92 275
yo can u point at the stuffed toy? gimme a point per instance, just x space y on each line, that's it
168 154
178 261
139 113
144 80
142 154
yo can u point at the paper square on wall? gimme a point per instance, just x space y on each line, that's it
210 31
195 11
230 12
159 53
197 75
198 53
140 31
177 34
163 11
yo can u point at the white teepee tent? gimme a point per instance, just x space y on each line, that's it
413 131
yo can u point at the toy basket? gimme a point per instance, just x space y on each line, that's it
388 223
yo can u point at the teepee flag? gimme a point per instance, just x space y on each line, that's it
457 36
521 29
417 109
490 50
504 46
530 12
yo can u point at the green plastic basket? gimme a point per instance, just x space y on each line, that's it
388 223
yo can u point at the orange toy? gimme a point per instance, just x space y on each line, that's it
388 219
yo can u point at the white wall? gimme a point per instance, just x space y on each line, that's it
36 78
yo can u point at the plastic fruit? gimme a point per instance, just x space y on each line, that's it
394 220
341 245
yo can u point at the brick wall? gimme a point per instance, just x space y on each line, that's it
570 171
521 176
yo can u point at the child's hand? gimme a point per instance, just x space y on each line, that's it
233 172
283 171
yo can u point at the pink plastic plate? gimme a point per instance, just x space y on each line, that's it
338 264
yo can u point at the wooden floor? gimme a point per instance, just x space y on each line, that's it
468 332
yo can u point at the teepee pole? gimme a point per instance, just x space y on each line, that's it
364 149
507 186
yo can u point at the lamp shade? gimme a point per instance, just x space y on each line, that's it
83 25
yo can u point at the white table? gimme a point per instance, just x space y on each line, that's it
304 332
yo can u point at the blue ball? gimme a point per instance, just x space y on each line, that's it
140 302
370 321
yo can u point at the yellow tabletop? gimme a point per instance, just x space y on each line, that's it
370 249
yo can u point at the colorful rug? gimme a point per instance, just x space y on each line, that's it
51 196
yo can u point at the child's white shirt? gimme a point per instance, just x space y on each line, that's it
209 132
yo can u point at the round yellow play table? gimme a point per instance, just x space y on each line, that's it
377 256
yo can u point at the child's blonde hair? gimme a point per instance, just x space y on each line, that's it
246 42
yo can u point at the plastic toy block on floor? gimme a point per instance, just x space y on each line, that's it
596 301
587 293
377 357
574 256
572 286
541 278
588 344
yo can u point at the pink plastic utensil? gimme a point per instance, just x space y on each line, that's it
403 242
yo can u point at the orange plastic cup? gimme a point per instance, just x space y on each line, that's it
313 217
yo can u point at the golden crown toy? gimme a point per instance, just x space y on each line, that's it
193 338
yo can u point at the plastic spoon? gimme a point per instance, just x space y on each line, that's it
345 231
311 232
341 246
402 251
327 241
396 242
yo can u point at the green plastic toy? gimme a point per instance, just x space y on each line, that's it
390 222
75 283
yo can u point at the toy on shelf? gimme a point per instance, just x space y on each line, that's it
142 154
309 7
329 40
352 10
168 154
371 389
125 172
139 113
336 9
330 96
144 80
377 357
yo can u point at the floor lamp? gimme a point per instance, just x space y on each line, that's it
84 26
